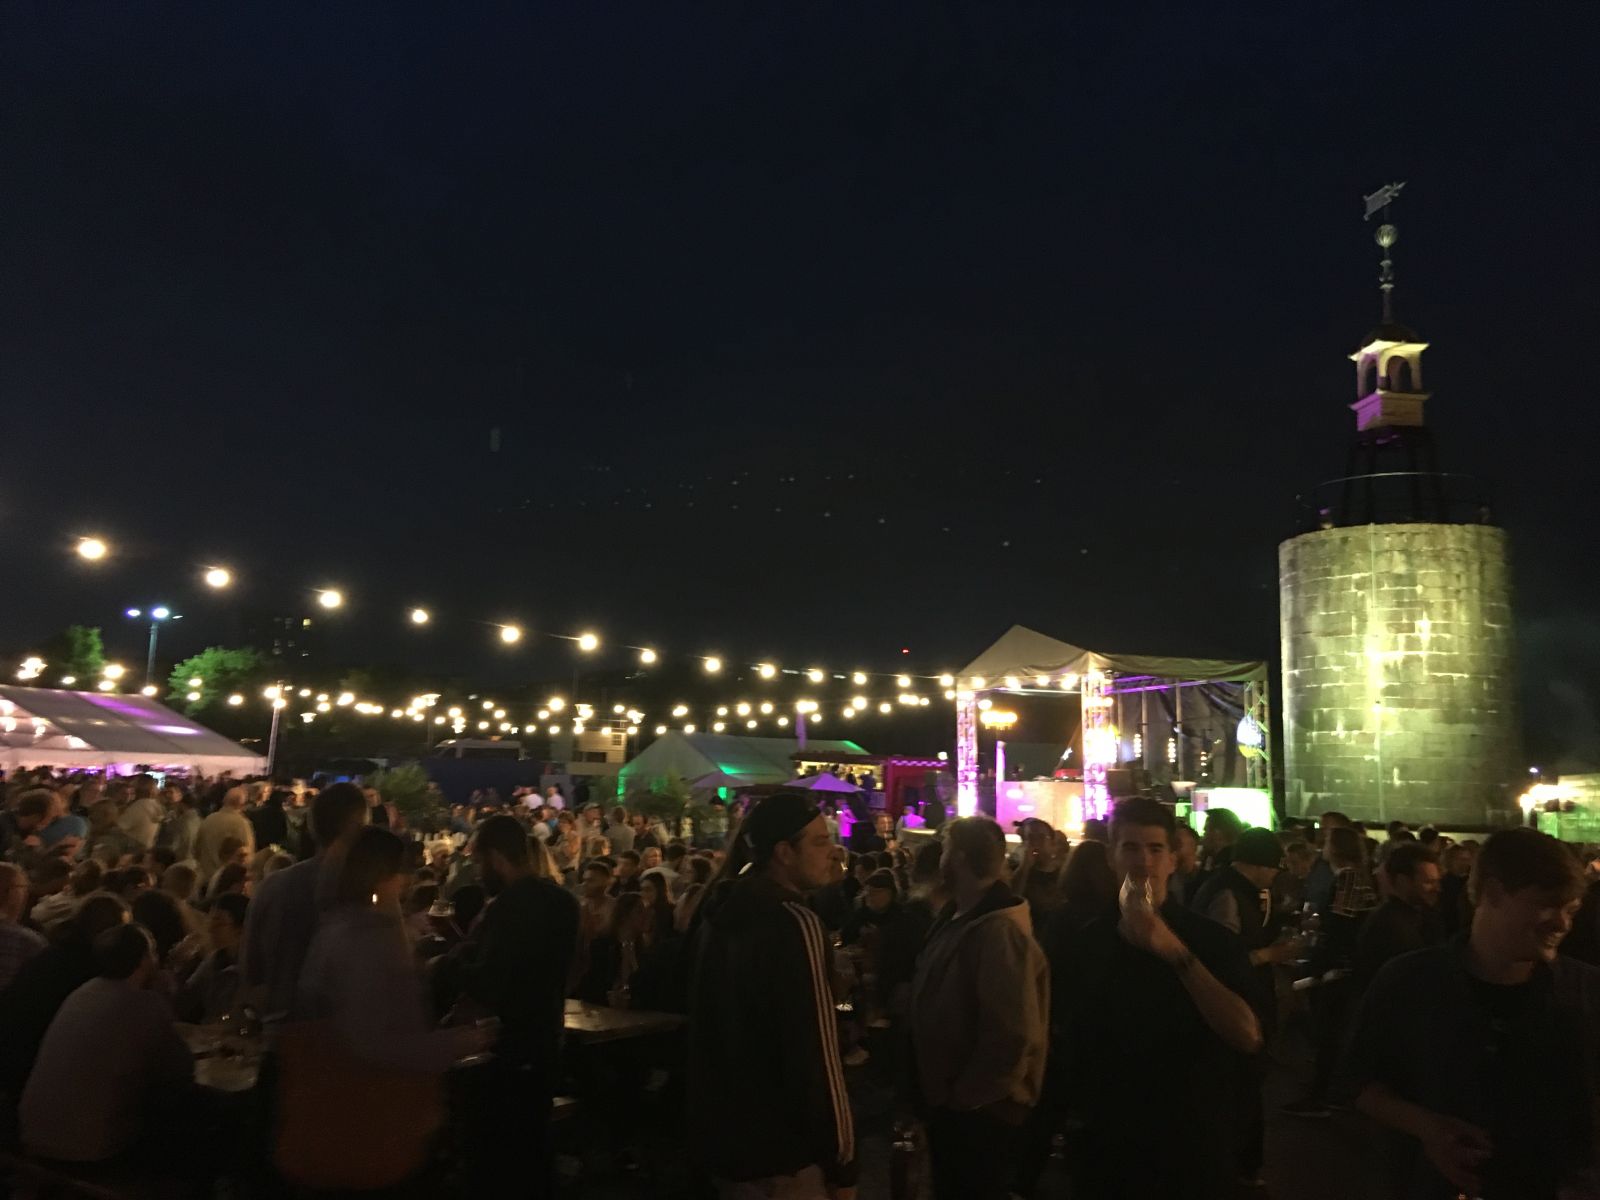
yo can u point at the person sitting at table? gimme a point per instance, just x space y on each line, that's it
58 907
114 1034
43 984
358 974
213 990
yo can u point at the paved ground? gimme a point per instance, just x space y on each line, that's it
1306 1160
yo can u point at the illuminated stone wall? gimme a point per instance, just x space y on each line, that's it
1398 673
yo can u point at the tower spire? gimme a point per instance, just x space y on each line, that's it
1386 237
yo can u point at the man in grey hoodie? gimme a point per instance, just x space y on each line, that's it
980 1007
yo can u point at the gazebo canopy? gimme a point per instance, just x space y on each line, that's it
42 727
1026 653
748 760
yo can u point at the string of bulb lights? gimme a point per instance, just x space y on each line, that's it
720 716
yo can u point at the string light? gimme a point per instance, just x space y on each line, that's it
556 704
766 670
235 700
660 729
148 689
114 670
92 549
767 707
713 665
904 681
947 681
815 675
510 634
218 577
330 598
859 678
105 685
588 642
647 656
420 616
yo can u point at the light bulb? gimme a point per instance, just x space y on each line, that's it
766 670
330 598
218 577
713 665
92 549
510 634
588 642
420 616
647 656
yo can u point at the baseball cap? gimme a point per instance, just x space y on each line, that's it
775 819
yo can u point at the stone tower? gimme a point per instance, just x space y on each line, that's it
1395 617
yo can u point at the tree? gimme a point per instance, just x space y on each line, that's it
409 789
76 651
666 801
221 671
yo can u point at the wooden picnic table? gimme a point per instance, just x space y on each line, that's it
223 1061
589 1023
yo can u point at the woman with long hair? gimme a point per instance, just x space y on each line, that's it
653 891
1088 885
359 976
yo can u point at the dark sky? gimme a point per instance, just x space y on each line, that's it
813 330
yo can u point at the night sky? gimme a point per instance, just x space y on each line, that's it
810 331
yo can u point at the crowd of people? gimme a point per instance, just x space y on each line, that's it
1115 1001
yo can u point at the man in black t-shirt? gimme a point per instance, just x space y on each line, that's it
1162 988
1408 920
1483 1054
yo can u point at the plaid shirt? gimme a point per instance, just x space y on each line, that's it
1353 893
17 945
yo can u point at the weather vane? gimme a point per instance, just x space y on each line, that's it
1386 236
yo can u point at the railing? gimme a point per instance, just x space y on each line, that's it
1395 498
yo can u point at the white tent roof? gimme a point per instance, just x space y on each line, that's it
745 761
1025 652
42 727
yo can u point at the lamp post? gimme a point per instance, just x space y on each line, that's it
157 615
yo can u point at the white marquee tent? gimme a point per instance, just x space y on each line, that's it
47 727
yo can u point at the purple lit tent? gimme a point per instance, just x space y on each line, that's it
48 727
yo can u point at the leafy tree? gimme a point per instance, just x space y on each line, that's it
221 671
666 801
409 789
77 651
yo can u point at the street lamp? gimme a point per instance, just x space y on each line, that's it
156 615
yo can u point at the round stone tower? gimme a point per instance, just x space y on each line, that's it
1398 665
